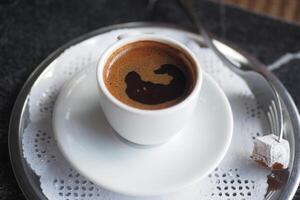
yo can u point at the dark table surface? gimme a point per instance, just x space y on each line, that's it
31 29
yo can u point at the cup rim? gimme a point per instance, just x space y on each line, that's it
144 37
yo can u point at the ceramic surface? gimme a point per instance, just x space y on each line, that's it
97 152
147 127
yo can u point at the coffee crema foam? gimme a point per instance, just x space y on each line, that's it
149 75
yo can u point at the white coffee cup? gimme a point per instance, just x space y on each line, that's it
147 127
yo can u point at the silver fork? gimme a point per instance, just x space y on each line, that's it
259 84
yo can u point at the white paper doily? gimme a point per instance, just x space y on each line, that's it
237 177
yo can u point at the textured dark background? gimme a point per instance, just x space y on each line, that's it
31 29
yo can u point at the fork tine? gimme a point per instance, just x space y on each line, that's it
272 119
271 122
275 117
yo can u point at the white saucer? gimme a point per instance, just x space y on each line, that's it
94 149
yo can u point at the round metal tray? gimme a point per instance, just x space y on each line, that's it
29 182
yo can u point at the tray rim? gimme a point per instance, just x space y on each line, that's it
22 170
